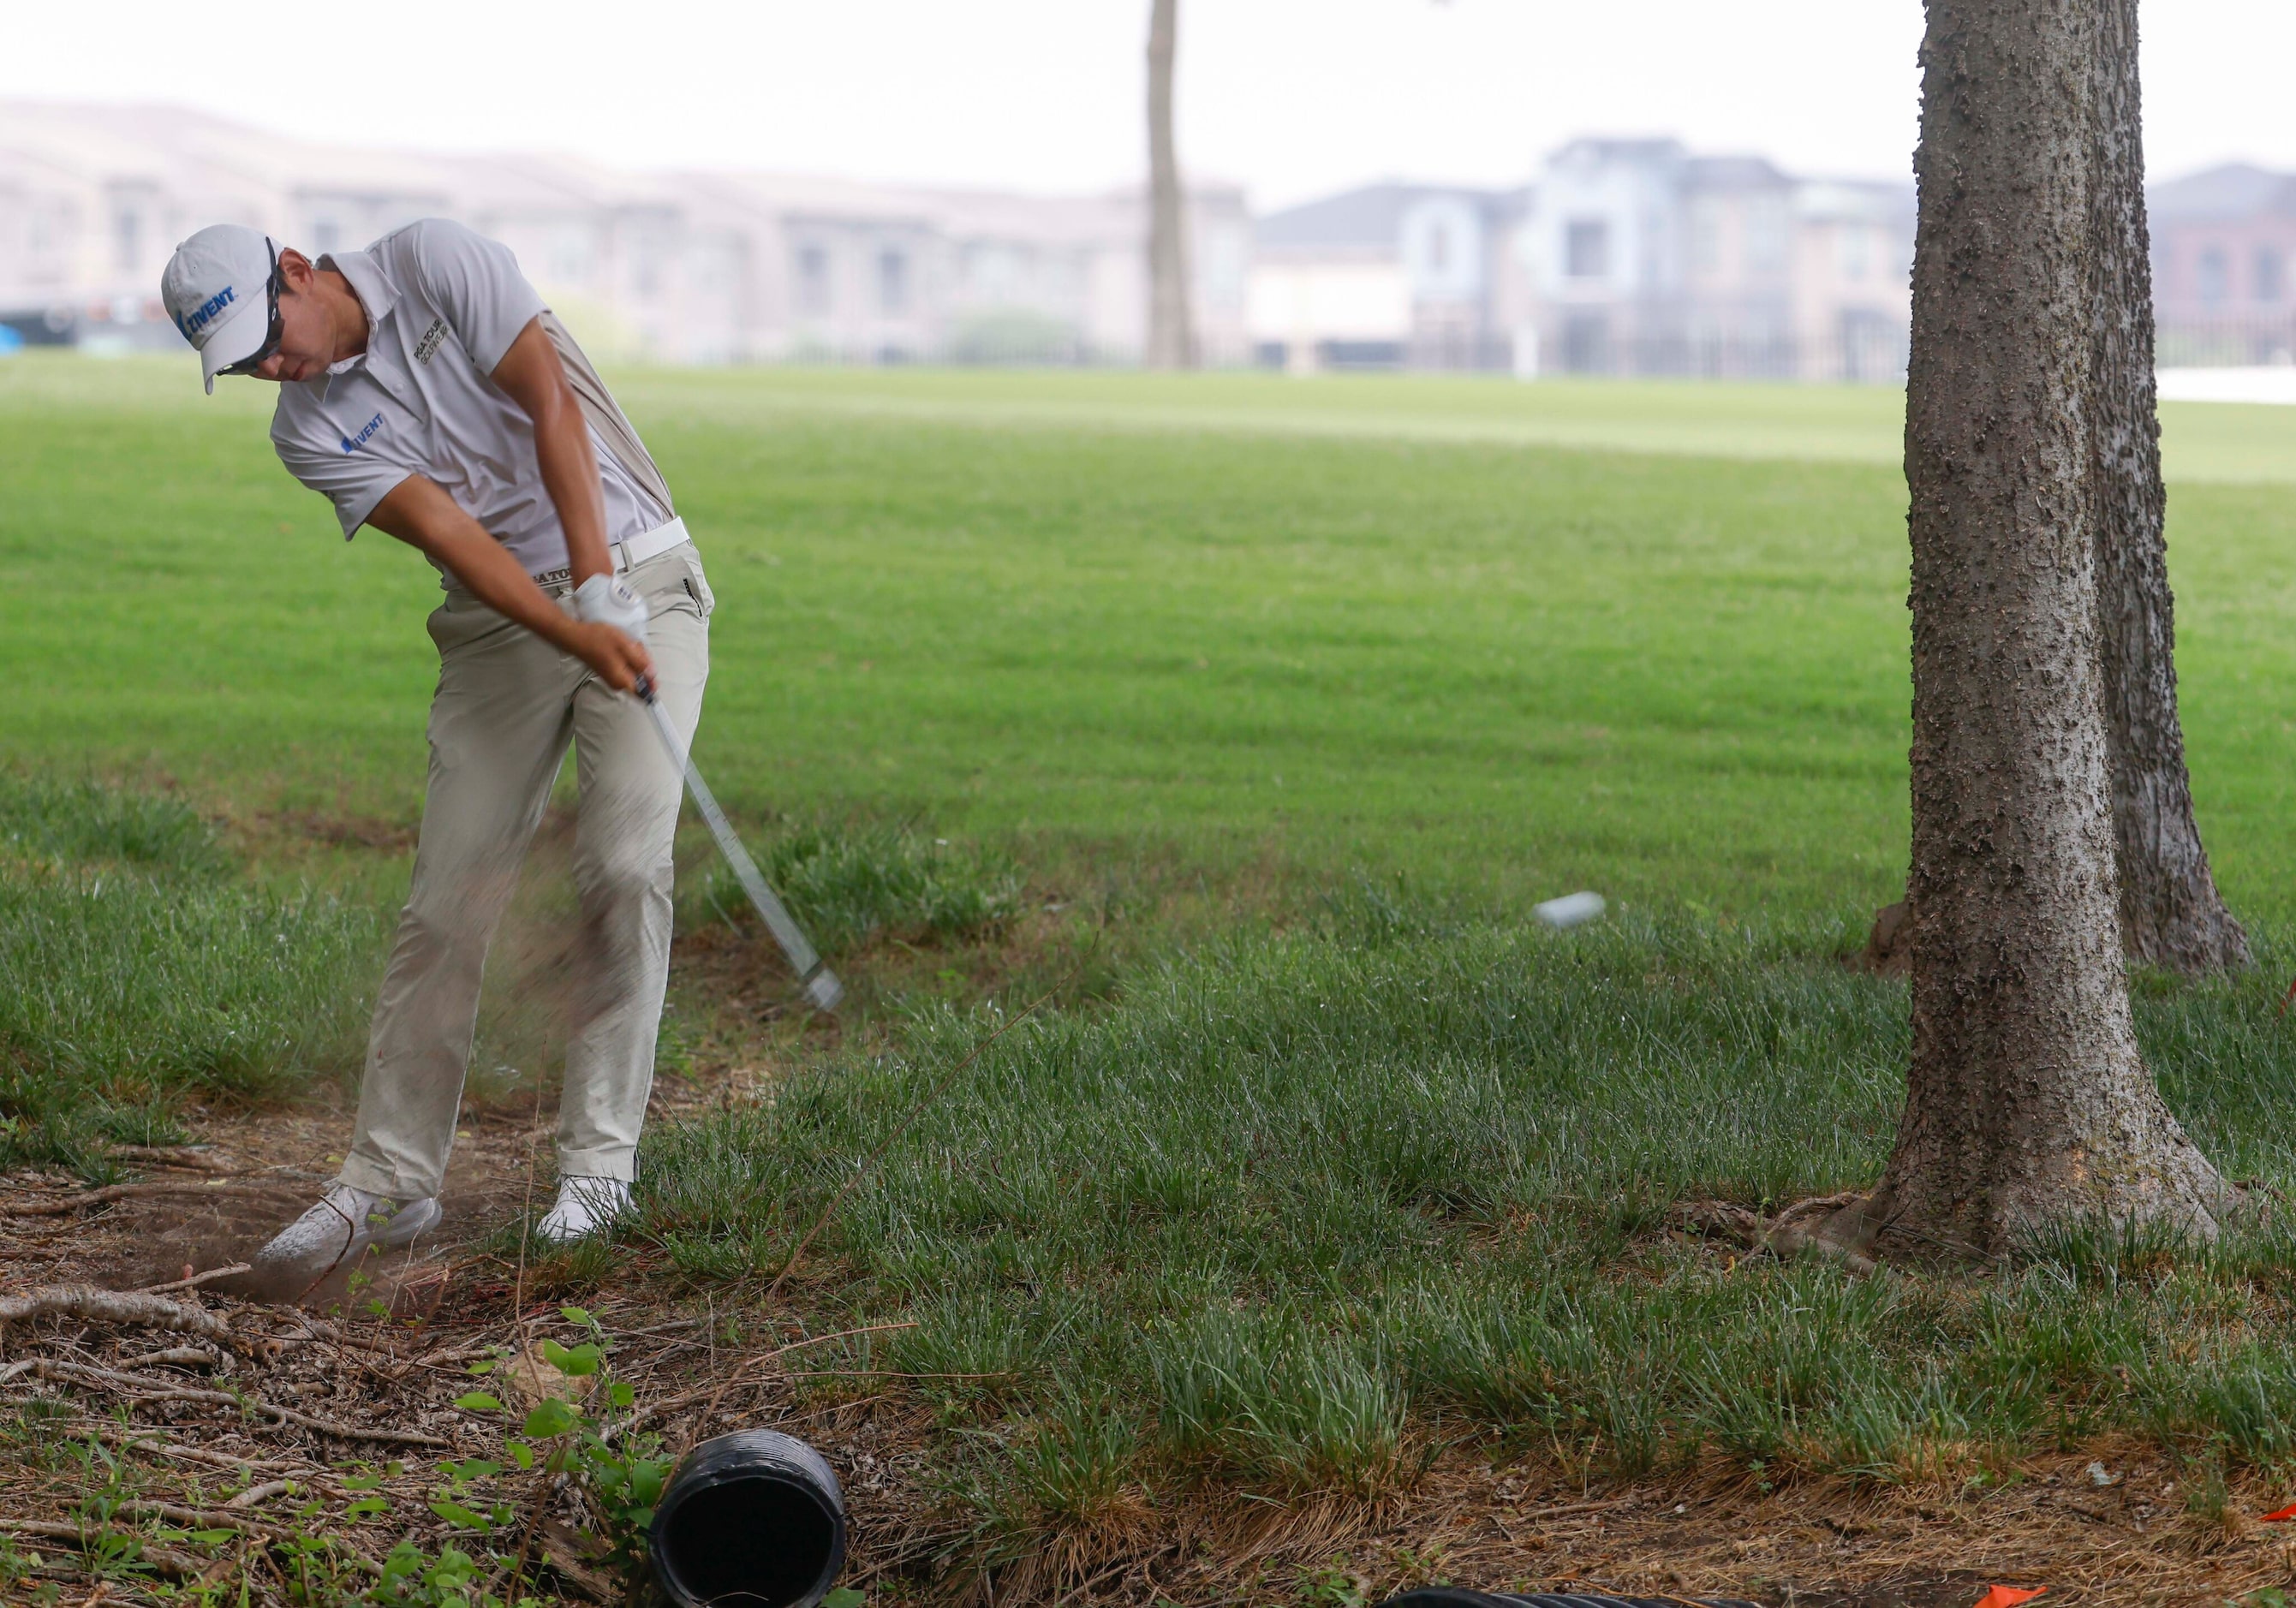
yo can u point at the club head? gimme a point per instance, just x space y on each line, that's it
824 990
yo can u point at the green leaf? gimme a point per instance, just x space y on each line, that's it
455 1512
574 1314
478 1401
520 1453
844 1596
366 1507
480 1369
621 1395
553 1418
647 1480
212 1537
579 1362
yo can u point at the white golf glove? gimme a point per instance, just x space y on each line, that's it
604 601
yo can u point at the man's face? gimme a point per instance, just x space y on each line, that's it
307 335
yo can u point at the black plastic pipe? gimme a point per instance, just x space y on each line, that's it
751 1520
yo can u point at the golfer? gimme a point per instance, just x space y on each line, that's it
426 391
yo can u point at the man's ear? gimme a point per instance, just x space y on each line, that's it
295 270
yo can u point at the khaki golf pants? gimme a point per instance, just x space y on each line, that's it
507 704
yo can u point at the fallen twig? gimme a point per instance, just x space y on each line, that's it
137 1309
191 1158
196 1279
262 1493
207 1518
130 1192
176 1565
144 1387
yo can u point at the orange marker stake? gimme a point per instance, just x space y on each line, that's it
2008 1597
2282 1517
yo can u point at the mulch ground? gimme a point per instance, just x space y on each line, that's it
211 1428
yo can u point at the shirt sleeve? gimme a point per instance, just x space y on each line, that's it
354 482
476 283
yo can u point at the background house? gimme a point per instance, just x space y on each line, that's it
1623 257
1641 259
675 267
1391 276
2223 248
1627 257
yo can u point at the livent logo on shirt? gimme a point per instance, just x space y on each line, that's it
366 431
431 337
203 314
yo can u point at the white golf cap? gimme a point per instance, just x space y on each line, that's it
214 291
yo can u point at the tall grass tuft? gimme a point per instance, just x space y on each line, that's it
850 885
136 971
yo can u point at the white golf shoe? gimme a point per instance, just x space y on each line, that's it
345 1224
584 1207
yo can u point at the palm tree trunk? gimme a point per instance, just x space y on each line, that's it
1171 334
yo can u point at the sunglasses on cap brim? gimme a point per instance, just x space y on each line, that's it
262 353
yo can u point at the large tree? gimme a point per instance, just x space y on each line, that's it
2170 912
1172 332
2027 1101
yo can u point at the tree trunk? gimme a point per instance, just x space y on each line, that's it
2170 912
1171 334
2026 1101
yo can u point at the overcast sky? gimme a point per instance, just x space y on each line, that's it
1290 98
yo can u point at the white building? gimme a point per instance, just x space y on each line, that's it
676 268
1388 277
1625 257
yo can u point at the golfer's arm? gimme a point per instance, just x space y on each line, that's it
419 512
536 380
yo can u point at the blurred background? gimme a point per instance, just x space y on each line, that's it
1517 187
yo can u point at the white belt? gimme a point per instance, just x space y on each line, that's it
648 543
626 555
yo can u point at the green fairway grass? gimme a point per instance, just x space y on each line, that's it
1505 639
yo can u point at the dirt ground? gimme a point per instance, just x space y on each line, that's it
1505 1526
368 1377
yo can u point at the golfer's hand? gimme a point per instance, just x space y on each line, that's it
619 657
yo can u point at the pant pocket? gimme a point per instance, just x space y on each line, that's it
697 586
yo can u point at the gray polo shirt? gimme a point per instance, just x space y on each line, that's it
443 305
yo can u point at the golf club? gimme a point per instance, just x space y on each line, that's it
813 973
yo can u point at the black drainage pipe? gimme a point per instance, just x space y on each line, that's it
751 1520
1454 1596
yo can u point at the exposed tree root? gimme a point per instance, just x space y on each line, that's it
90 1304
1796 1228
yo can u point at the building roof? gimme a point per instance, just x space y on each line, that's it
1370 219
1599 149
2233 190
1732 173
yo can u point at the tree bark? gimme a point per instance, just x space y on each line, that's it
2170 913
2027 1101
1172 332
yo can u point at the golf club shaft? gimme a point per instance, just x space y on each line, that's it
820 983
